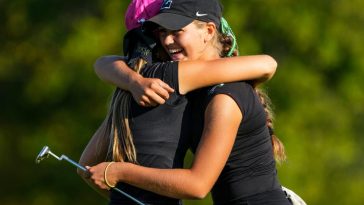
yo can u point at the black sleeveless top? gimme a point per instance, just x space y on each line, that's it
158 134
250 168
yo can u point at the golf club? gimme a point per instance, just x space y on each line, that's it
45 152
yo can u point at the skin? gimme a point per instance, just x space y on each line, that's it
115 71
197 58
223 119
152 92
94 153
188 43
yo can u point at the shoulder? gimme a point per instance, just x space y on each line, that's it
235 88
241 92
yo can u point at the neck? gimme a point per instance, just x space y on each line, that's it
210 53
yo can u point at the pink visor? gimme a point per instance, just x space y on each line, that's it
141 10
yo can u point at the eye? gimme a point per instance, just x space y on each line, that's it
162 32
177 32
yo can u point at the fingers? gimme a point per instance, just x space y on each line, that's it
151 92
150 99
166 87
145 101
163 89
96 177
143 104
87 174
155 98
158 93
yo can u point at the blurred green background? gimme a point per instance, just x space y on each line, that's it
51 96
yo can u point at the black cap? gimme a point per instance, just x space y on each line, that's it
176 14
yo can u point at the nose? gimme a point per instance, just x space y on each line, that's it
168 39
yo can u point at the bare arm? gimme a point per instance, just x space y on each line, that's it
94 153
192 75
197 74
145 91
223 117
118 72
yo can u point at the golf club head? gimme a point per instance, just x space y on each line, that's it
44 153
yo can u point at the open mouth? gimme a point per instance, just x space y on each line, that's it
175 51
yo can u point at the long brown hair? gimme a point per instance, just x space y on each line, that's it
121 146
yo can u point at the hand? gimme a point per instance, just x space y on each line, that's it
150 91
96 175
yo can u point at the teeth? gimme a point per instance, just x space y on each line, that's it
172 51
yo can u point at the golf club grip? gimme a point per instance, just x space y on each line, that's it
127 195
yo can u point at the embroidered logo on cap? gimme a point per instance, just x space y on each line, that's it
166 4
199 15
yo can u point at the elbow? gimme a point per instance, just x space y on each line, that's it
105 63
98 65
200 191
270 66
200 195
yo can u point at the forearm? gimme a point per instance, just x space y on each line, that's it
94 153
175 183
222 119
257 68
218 137
113 70
265 70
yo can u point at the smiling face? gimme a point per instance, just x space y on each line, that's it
192 42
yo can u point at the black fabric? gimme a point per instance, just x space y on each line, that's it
250 168
271 197
176 14
158 136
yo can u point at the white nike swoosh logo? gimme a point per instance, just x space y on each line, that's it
199 15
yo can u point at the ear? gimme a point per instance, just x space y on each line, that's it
210 31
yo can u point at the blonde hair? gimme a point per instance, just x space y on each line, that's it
121 146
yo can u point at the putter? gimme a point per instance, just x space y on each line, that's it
45 152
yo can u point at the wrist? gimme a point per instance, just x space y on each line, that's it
133 80
107 175
122 171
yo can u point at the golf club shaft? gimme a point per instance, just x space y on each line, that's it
116 189
53 155
127 195
73 162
